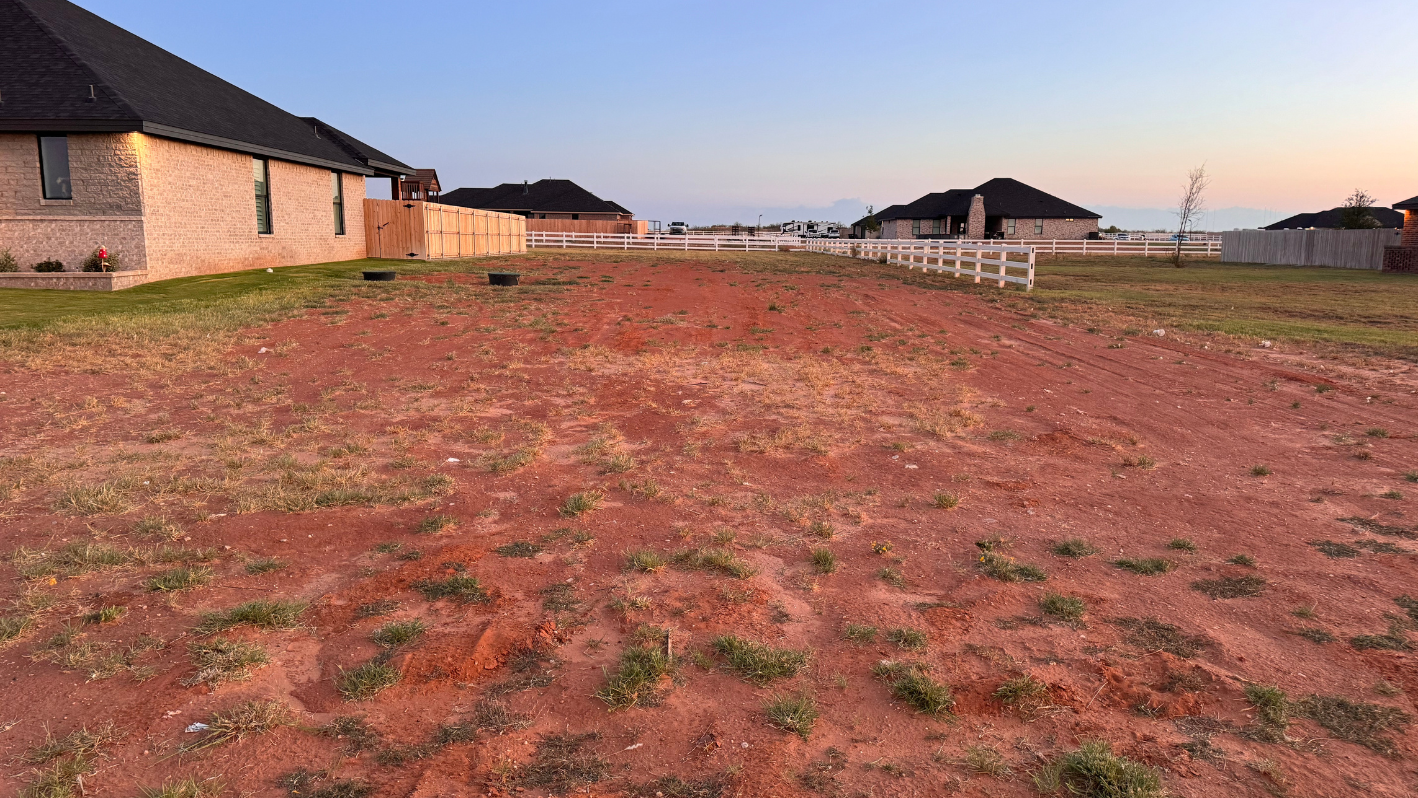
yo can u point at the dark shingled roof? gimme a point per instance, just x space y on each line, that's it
543 196
1004 196
1332 218
1407 205
380 162
878 214
64 69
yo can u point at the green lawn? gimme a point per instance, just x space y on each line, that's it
1369 310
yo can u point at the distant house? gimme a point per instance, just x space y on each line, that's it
108 139
1333 218
544 199
422 185
1001 208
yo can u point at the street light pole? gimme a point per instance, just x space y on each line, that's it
759 228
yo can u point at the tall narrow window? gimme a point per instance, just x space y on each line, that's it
54 167
935 227
1011 227
1038 227
337 191
261 172
915 227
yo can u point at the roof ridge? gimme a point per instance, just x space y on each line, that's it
63 44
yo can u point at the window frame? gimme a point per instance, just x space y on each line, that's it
337 191
68 171
1010 225
263 198
915 227
1038 227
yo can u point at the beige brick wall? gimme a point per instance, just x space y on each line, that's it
1053 229
106 209
201 212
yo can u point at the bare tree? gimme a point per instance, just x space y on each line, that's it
1189 207
1357 214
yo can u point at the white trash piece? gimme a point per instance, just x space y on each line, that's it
454 460
1265 344
197 727
263 350
270 271
1159 333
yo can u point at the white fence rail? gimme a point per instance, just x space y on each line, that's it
653 241
1114 247
984 261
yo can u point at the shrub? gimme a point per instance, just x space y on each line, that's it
8 262
824 560
93 264
47 266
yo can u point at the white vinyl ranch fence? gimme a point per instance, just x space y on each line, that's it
985 261
1114 247
541 240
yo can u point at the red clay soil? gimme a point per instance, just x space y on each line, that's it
776 414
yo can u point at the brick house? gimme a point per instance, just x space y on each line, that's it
1404 257
1001 208
108 139
544 199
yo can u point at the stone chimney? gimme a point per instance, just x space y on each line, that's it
975 222
1410 228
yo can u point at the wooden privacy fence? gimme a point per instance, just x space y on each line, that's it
981 260
412 230
1342 249
632 227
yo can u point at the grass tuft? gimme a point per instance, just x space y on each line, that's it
244 720
1182 544
221 660
1074 547
1094 771
519 548
562 763
367 681
644 560
262 614
945 501
643 669
1228 587
714 559
1356 722
434 524
184 577
824 561
460 588
792 713
908 682
757 662
1272 712
189 787
1005 569
399 633
908 639
1146 566
860 634
582 503
1064 608
1153 635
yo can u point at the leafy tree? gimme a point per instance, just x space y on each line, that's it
1356 213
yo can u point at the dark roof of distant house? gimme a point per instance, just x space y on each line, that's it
1332 218
543 196
376 160
878 214
1004 196
68 70
1407 205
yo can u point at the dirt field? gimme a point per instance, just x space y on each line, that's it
701 527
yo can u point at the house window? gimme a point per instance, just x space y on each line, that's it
1011 227
54 167
935 227
1038 227
261 173
915 227
337 191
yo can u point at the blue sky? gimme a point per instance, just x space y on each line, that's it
716 112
